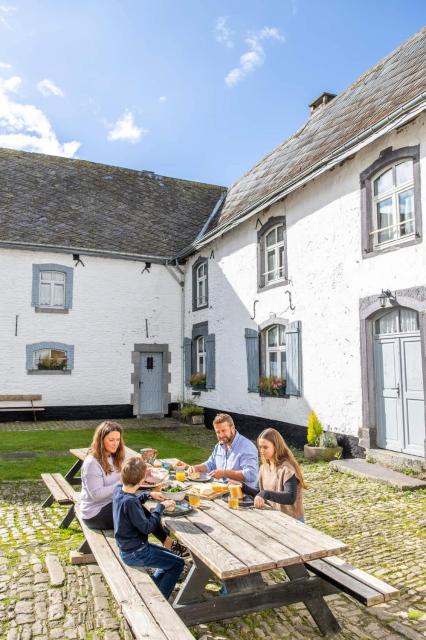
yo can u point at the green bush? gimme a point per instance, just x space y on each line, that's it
191 409
328 439
315 429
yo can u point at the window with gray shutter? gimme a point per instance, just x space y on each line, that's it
252 351
187 354
294 359
210 361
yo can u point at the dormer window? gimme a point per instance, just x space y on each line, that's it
272 254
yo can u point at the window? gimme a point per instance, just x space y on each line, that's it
200 358
390 201
397 321
272 260
201 355
393 204
275 352
50 357
200 282
52 288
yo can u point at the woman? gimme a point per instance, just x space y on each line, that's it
281 481
100 473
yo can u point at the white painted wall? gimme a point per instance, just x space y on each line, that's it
111 301
328 277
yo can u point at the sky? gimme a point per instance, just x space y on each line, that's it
195 89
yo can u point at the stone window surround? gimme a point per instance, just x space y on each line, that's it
138 349
387 157
200 260
267 226
69 276
68 348
370 309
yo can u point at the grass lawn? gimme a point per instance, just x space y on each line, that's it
181 443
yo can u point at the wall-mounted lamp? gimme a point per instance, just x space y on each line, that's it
384 296
77 259
146 268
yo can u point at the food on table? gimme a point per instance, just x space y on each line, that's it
174 489
195 475
218 487
157 464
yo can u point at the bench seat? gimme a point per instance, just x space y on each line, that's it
31 398
357 583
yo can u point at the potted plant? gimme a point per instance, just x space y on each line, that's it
272 386
198 380
192 413
322 445
56 364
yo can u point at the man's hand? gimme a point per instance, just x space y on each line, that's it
217 474
259 502
157 495
191 469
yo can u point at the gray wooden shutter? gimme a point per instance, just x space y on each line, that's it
210 361
293 359
252 351
187 354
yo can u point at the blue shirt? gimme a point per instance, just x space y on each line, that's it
132 523
241 455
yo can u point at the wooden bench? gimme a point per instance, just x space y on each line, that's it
22 398
357 583
63 493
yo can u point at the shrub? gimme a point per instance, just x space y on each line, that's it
191 409
315 429
272 385
198 379
328 439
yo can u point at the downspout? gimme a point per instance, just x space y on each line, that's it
181 282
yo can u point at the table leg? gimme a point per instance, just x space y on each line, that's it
316 605
68 518
251 582
70 476
193 587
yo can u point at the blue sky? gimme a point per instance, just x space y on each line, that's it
197 89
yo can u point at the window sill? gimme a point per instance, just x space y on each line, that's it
49 372
198 308
281 394
392 247
272 285
50 310
198 387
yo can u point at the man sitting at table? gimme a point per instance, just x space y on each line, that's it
233 458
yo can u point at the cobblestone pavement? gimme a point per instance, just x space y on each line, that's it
75 425
386 531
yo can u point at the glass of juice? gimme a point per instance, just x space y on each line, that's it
233 503
180 474
194 500
235 490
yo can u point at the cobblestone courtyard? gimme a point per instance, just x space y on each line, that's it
386 531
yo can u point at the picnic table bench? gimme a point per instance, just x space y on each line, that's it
234 546
31 398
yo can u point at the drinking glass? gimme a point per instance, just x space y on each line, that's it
233 503
194 500
180 474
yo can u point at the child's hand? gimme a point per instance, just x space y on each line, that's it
157 495
259 502
170 505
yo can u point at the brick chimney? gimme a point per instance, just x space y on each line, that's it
321 101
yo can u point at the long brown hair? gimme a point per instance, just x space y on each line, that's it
97 448
282 453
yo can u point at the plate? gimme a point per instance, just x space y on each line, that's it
204 477
182 509
154 477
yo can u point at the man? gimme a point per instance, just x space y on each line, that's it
233 458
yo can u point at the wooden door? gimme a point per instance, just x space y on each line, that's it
150 383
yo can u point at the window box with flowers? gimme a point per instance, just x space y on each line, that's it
272 386
198 380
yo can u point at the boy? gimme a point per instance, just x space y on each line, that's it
133 523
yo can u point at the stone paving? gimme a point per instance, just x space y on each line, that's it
386 531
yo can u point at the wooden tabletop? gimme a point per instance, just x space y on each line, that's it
236 542
82 453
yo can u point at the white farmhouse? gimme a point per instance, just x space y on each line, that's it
300 287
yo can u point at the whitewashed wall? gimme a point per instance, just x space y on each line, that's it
328 277
111 301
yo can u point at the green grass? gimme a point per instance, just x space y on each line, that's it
169 444
414 614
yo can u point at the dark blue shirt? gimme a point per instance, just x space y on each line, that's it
132 523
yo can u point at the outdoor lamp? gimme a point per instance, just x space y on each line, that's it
385 295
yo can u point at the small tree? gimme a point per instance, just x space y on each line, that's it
315 429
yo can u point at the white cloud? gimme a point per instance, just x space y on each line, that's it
6 11
5 65
223 33
126 129
25 127
162 99
49 88
255 56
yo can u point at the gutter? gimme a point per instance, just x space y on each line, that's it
399 117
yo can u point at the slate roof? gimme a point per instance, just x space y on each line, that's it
393 82
77 204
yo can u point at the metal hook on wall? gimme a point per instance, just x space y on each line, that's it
292 307
254 310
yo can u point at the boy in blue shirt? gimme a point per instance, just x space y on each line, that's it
133 523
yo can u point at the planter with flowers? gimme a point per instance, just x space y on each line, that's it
192 413
52 364
272 386
198 381
322 445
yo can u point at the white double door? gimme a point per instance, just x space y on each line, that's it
400 393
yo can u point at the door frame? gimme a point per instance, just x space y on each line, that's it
370 309
166 397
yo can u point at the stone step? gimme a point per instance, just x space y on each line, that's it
395 459
363 469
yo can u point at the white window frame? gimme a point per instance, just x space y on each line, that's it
53 284
200 352
275 250
280 350
393 194
201 280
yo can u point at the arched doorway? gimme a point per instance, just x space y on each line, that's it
398 377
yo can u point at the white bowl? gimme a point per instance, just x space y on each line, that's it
174 495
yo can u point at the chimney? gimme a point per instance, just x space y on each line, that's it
321 101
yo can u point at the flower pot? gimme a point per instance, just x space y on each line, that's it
199 387
197 419
322 453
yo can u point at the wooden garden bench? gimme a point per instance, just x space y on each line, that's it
63 493
31 398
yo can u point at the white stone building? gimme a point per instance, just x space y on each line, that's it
303 283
